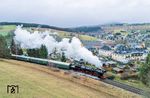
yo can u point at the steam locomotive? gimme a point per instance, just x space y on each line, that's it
62 65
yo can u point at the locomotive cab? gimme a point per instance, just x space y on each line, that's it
100 73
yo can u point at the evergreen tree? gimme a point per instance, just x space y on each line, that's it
43 53
4 50
39 53
20 52
13 47
145 71
28 52
148 59
63 58
33 52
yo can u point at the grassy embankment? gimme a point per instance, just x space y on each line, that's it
36 81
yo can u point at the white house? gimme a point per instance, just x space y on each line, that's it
124 55
105 51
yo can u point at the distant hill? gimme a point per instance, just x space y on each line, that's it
126 27
90 30
32 25
86 29
125 24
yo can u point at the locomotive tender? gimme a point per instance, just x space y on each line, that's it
62 65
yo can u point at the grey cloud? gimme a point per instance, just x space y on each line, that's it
75 12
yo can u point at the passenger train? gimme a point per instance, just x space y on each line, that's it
98 72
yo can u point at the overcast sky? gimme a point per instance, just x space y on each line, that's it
67 13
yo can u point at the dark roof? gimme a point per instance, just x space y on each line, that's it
106 48
90 44
131 50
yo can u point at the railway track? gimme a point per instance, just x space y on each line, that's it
116 83
124 86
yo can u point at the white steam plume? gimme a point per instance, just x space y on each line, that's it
73 49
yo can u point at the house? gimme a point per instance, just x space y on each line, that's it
91 44
117 70
124 54
130 54
105 51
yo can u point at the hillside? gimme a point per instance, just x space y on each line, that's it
86 29
31 25
6 29
64 34
36 81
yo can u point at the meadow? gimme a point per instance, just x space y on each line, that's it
5 30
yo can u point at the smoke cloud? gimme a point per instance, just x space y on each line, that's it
72 48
